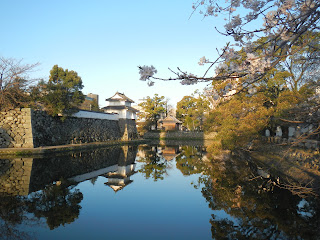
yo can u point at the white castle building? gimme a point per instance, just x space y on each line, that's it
121 105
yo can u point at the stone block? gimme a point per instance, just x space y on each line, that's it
28 145
24 110
19 140
6 126
27 121
28 137
27 163
267 133
25 178
26 125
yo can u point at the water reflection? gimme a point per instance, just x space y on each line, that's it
37 191
255 208
191 160
59 205
244 206
154 162
46 187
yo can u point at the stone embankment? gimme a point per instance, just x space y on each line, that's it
16 129
26 128
296 142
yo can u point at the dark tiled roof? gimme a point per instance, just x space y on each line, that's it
123 97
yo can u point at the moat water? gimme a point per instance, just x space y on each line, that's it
148 192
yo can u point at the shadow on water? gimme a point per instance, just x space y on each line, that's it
242 206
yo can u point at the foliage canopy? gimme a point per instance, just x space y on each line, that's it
152 108
191 110
62 93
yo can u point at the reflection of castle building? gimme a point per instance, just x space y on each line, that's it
21 176
170 152
120 178
166 152
117 180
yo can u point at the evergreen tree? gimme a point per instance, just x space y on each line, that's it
62 93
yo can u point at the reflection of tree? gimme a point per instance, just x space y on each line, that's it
257 210
58 204
154 165
190 160
93 180
12 210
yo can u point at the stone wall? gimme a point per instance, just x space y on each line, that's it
128 129
304 143
50 131
15 128
26 128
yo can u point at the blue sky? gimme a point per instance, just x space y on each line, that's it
105 41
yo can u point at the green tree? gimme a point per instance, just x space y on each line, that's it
62 93
240 117
191 110
152 108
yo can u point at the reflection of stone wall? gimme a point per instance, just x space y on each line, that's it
21 176
27 128
15 175
47 170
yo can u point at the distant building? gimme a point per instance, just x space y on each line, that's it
94 96
91 102
170 123
120 104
